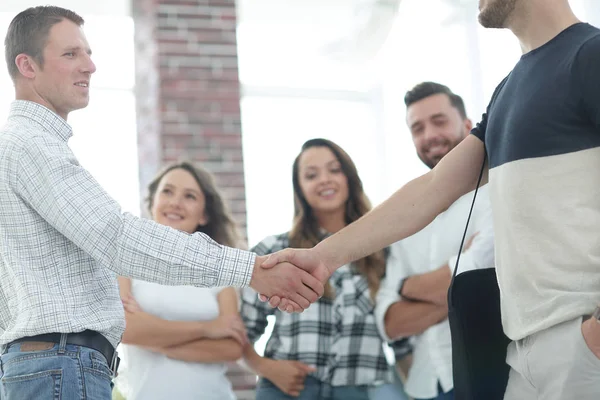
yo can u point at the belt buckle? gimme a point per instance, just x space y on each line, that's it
114 363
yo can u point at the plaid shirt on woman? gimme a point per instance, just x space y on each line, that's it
337 336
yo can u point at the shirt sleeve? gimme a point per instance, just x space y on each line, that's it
587 71
387 294
481 127
481 253
66 196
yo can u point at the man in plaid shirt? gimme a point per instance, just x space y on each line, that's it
63 240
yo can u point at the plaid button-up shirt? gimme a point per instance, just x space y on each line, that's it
63 240
338 336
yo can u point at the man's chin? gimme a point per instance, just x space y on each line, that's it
430 162
83 101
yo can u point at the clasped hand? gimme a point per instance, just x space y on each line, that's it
290 279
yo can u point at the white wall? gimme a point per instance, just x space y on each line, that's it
89 7
105 137
361 106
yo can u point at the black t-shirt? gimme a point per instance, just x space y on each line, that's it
550 103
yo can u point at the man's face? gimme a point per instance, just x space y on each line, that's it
436 127
495 13
62 83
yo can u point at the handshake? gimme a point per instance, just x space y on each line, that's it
290 279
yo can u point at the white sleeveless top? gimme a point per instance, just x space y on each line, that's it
153 376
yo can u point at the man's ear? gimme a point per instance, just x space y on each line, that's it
26 65
468 124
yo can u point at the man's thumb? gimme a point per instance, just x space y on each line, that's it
269 262
274 259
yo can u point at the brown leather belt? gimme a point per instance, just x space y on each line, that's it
87 338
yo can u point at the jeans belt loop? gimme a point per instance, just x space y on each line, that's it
114 363
62 346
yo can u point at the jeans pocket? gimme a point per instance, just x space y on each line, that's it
39 385
97 375
97 385
98 365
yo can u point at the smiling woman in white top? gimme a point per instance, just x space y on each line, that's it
178 339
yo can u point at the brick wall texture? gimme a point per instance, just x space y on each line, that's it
188 91
188 101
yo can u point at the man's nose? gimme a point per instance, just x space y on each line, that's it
88 65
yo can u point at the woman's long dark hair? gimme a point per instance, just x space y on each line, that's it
305 231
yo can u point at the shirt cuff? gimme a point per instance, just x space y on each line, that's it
380 311
236 267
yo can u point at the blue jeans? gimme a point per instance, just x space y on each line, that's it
443 396
389 391
313 390
66 372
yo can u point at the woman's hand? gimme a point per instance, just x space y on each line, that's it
226 326
131 305
287 375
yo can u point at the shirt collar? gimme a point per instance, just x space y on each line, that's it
49 120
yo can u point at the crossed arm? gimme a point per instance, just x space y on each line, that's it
407 318
214 341
421 300
432 287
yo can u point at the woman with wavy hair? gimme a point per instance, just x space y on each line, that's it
333 349
178 339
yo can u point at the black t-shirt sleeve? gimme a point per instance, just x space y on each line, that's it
479 129
587 70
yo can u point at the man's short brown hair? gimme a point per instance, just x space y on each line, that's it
28 33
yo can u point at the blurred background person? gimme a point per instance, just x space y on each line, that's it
178 339
412 300
333 349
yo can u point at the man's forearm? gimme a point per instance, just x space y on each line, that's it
429 287
408 210
407 318
127 245
174 258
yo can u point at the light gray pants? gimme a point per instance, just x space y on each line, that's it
554 364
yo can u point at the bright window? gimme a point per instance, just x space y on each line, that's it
105 137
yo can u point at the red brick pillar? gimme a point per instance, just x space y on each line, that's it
188 91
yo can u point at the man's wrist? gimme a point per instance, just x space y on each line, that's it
258 260
321 253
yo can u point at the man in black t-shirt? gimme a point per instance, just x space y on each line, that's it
542 136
